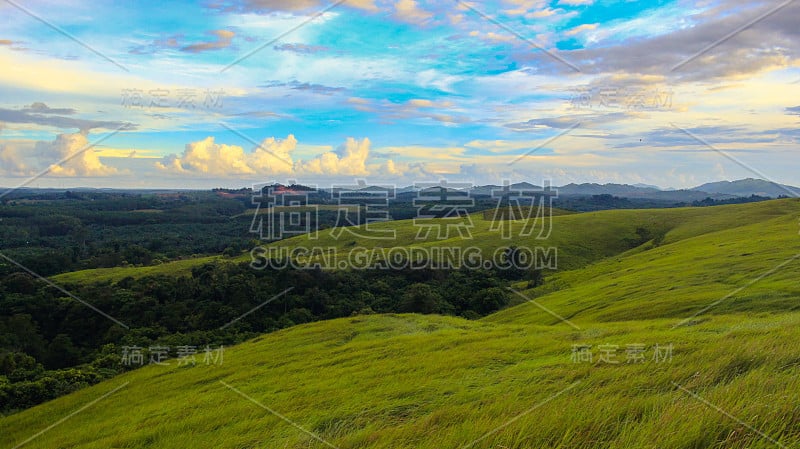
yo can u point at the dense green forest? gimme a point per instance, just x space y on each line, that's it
51 344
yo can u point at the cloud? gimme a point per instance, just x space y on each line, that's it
546 12
793 110
580 29
128 153
440 111
767 44
409 11
309 87
302 49
27 158
291 6
349 159
423 103
569 121
13 161
267 6
13 45
223 40
727 138
41 114
576 2
41 108
523 7
83 161
205 156
163 43
274 156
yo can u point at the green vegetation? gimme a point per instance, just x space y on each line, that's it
717 285
581 239
51 344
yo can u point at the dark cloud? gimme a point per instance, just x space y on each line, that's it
309 87
164 43
769 43
223 40
259 114
301 48
569 121
41 114
297 7
265 6
41 108
785 134
13 45
715 135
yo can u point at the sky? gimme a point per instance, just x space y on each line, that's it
233 93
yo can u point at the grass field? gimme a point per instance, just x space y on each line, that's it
718 295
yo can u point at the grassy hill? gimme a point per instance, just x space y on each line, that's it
720 288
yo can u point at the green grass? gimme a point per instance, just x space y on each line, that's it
680 278
174 268
425 382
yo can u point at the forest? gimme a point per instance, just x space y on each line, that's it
52 344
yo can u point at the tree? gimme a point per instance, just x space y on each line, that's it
536 278
420 298
61 352
514 266
488 300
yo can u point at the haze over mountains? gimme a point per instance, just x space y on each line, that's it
749 186
720 190
717 190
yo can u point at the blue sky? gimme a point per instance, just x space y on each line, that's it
236 92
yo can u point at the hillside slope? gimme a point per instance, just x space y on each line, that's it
510 380
680 278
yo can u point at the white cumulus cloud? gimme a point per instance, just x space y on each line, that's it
274 156
67 155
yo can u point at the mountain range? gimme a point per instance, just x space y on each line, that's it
717 190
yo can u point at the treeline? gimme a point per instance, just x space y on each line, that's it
57 232
51 233
739 200
51 344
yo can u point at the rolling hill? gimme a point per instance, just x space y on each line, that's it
749 186
712 301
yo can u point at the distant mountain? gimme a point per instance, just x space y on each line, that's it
638 192
647 186
621 190
748 187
